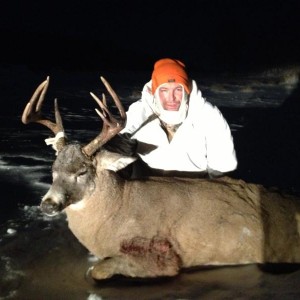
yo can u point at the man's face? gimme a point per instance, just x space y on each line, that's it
170 95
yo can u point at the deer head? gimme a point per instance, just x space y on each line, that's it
75 167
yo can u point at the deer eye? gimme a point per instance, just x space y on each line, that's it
81 172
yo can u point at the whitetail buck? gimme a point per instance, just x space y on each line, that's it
156 226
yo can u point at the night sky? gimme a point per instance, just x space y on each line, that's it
209 35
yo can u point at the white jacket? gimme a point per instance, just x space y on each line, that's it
203 142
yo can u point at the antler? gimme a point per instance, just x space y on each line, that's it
32 112
111 126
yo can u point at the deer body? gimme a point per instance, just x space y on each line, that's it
173 223
156 226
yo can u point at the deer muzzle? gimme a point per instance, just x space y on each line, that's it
51 208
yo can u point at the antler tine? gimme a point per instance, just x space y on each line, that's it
115 98
28 114
58 118
111 126
106 116
32 112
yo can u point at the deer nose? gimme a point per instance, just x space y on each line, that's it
51 208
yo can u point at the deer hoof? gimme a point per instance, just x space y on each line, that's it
100 272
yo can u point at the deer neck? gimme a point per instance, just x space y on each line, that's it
93 216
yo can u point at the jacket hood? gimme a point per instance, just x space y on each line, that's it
195 102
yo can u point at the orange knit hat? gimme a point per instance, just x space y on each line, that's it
169 70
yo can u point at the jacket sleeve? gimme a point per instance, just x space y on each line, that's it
137 114
221 154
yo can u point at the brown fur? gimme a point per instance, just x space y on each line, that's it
155 227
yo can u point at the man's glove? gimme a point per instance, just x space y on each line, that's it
122 144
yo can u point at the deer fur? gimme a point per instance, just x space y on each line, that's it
157 226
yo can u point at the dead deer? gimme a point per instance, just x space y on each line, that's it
157 226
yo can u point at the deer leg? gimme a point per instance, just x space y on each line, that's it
140 257
105 269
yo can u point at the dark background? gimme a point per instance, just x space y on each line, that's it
209 35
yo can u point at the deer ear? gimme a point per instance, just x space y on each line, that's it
121 163
114 161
